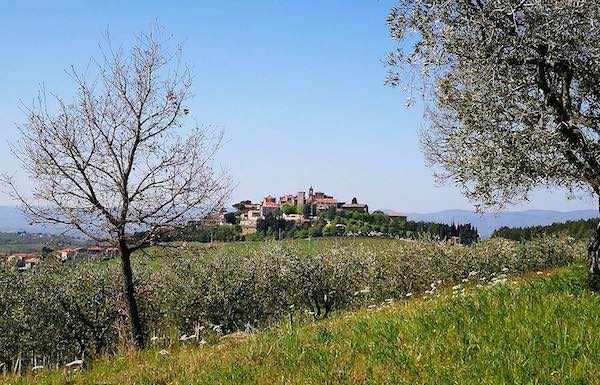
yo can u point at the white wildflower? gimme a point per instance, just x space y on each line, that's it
76 363
363 291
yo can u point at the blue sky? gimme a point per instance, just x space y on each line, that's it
297 87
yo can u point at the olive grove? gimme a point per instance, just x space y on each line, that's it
190 295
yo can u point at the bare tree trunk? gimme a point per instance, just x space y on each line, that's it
593 259
129 290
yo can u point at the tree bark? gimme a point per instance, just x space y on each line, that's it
129 290
593 260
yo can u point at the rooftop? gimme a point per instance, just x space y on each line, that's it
355 205
395 214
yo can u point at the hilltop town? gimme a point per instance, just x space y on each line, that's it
312 215
301 209
302 215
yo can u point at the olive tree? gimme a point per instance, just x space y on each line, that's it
121 162
512 93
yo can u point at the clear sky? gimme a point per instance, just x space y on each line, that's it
297 86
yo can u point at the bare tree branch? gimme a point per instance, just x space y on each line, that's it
118 159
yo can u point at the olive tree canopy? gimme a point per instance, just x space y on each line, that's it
515 86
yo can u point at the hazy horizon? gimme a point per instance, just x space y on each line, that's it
298 89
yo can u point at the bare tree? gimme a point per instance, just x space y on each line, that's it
118 160
515 86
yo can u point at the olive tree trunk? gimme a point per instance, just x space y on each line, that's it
593 259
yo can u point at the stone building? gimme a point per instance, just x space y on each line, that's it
354 206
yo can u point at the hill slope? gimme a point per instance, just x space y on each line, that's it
531 329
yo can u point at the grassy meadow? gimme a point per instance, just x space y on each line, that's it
534 328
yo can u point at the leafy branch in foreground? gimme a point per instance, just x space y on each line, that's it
515 90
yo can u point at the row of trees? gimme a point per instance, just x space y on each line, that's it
580 229
330 223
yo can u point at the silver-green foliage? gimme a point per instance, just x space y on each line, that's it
52 315
515 90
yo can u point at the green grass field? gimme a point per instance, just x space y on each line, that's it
159 256
10 248
532 329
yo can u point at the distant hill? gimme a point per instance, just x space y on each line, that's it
13 220
487 223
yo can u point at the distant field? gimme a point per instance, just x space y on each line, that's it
9 248
531 329
162 256
21 248
306 245
35 243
